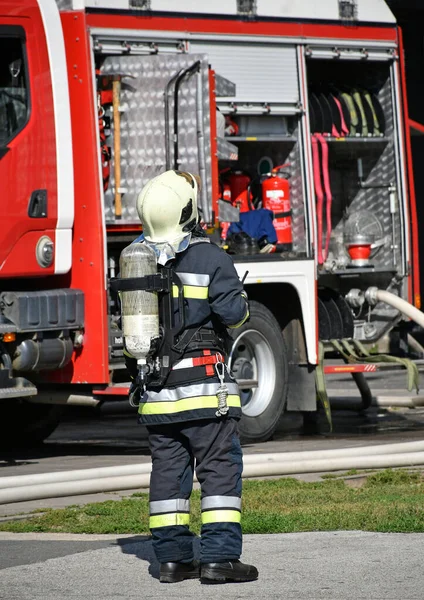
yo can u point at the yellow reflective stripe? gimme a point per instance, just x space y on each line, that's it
197 292
221 516
169 520
195 403
241 322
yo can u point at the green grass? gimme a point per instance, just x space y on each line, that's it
390 501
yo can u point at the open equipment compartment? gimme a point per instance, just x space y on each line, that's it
264 142
263 126
366 245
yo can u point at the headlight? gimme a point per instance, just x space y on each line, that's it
44 251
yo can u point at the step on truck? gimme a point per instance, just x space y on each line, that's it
298 108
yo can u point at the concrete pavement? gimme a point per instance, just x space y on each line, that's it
307 566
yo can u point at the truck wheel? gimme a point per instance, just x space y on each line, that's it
259 354
24 424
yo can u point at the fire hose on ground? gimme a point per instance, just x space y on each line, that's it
107 479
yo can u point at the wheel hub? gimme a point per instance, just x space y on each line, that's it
242 368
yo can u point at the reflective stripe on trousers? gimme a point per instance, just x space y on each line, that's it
166 513
221 509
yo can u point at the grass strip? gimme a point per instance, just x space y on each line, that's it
389 501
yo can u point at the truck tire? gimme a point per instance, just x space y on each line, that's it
259 353
25 424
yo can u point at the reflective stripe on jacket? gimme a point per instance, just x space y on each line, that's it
187 402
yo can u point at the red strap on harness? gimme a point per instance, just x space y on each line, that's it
200 361
210 370
207 360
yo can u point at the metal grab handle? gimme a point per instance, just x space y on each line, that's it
177 78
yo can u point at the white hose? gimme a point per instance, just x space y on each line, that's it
374 294
263 469
353 451
74 488
248 459
415 344
378 461
77 475
64 398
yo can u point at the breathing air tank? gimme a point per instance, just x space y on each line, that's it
139 309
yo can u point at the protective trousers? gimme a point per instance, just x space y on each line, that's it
215 445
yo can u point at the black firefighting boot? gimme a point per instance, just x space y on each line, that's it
172 572
231 571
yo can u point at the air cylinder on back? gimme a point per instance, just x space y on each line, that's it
139 309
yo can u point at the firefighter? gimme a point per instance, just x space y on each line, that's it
193 417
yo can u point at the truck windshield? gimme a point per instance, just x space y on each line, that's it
14 101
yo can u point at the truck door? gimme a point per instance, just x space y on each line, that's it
35 142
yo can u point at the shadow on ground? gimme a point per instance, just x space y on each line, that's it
141 547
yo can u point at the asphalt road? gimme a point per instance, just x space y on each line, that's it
308 566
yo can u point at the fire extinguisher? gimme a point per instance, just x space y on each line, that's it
241 196
276 197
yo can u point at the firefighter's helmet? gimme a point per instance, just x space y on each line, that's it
167 207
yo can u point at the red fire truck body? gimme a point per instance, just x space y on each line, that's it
262 67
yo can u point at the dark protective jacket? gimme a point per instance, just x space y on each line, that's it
214 300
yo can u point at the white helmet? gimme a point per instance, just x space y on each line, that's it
167 207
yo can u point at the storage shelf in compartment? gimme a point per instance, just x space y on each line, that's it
278 256
358 140
351 147
264 138
359 271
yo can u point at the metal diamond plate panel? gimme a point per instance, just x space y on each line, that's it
143 153
224 87
297 200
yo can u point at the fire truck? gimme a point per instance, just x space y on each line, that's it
296 110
